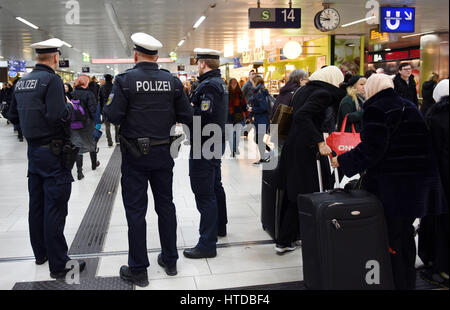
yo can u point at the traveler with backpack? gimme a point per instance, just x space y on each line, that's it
260 108
83 123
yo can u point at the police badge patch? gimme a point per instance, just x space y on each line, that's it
110 98
205 105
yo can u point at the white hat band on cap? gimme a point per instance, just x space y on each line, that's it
48 46
145 43
205 53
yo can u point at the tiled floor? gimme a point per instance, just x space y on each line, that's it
237 265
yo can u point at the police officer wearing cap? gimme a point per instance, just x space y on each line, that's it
39 104
210 101
146 102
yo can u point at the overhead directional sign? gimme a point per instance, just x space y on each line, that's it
274 18
397 19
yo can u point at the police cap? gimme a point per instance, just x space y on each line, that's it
145 43
48 46
205 53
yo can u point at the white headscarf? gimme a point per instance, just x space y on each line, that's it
331 75
441 90
377 83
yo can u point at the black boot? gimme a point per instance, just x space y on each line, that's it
79 162
20 135
94 161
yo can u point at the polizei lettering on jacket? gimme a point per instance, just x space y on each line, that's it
153 86
26 85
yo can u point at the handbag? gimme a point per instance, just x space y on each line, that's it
283 117
341 142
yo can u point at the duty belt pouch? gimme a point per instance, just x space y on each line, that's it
144 145
129 147
70 153
56 146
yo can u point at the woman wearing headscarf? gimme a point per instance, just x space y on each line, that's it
400 169
298 169
433 231
352 104
83 138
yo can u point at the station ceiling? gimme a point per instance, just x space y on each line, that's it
103 21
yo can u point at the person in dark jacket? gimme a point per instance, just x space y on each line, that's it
237 111
297 78
259 108
11 94
68 89
405 84
105 91
427 93
298 168
352 104
94 87
400 169
83 138
433 231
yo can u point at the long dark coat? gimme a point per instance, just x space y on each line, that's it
83 138
427 95
434 232
437 120
298 158
396 153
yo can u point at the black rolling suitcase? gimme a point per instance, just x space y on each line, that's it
270 202
344 240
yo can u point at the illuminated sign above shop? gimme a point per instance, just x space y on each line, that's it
397 19
378 37
274 18
394 55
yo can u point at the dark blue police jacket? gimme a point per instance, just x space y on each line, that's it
210 101
40 104
147 102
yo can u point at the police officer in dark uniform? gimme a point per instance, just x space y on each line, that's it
39 104
146 102
210 101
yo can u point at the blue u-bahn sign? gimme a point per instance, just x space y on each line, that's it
397 19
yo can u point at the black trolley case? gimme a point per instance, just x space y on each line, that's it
344 240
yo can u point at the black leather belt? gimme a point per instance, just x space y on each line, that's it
154 142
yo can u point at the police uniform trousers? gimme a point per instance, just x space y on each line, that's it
157 168
206 184
403 252
49 186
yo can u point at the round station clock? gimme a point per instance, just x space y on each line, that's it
327 20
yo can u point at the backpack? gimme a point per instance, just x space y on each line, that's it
4 110
79 116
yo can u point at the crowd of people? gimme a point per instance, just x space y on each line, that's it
91 96
402 157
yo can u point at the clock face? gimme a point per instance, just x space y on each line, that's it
329 19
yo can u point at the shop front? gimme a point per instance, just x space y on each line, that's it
291 54
390 60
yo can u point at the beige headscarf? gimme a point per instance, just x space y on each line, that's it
377 83
331 75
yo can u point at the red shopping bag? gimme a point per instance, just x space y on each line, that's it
341 142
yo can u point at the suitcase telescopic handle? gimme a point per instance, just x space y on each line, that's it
319 172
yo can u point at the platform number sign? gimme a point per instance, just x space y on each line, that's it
288 15
274 18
